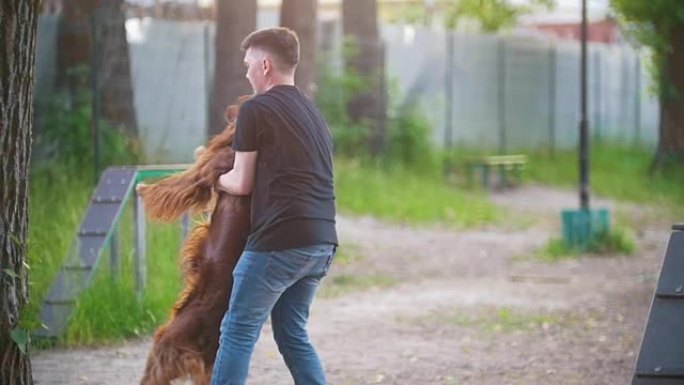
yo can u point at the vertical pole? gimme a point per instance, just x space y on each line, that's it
140 247
637 100
95 89
502 95
114 259
598 113
207 82
624 91
584 124
552 98
449 96
185 226
380 113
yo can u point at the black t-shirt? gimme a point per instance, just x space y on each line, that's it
293 199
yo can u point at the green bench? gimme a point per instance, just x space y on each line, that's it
508 168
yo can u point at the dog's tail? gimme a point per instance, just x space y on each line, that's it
167 363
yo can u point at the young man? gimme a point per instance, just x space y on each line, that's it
284 159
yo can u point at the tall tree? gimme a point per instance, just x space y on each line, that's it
235 20
300 16
491 15
75 43
366 59
17 37
659 25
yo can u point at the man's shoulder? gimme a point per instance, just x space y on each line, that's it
248 104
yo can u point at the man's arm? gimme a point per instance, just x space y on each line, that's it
240 180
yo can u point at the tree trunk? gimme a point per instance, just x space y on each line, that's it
114 73
360 29
672 105
18 37
300 16
235 20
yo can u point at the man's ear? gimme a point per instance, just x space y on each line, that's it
266 65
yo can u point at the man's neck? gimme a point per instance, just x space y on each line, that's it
280 81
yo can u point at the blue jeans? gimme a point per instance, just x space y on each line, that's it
282 283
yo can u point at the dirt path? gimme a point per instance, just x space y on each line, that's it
436 306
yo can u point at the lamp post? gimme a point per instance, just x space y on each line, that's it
584 123
581 227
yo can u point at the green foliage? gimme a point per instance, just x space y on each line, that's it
407 131
336 89
409 13
492 15
21 338
651 23
408 136
616 241
66 137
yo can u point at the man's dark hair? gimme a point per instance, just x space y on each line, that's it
282 43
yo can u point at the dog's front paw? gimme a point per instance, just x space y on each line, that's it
140 187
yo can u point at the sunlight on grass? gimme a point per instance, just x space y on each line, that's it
617 171
407 197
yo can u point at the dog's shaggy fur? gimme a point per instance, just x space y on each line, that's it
185 347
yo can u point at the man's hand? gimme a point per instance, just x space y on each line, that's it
240 180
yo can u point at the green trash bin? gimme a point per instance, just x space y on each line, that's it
580 227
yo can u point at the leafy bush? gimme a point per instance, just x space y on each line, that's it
407 132
66 137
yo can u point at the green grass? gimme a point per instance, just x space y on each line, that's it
618 241
616 171
109 310
57 200
407 196
348 254
338 285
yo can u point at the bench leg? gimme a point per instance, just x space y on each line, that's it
503 177
485 176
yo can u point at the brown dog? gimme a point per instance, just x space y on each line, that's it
185 347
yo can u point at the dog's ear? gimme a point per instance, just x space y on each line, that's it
231 113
